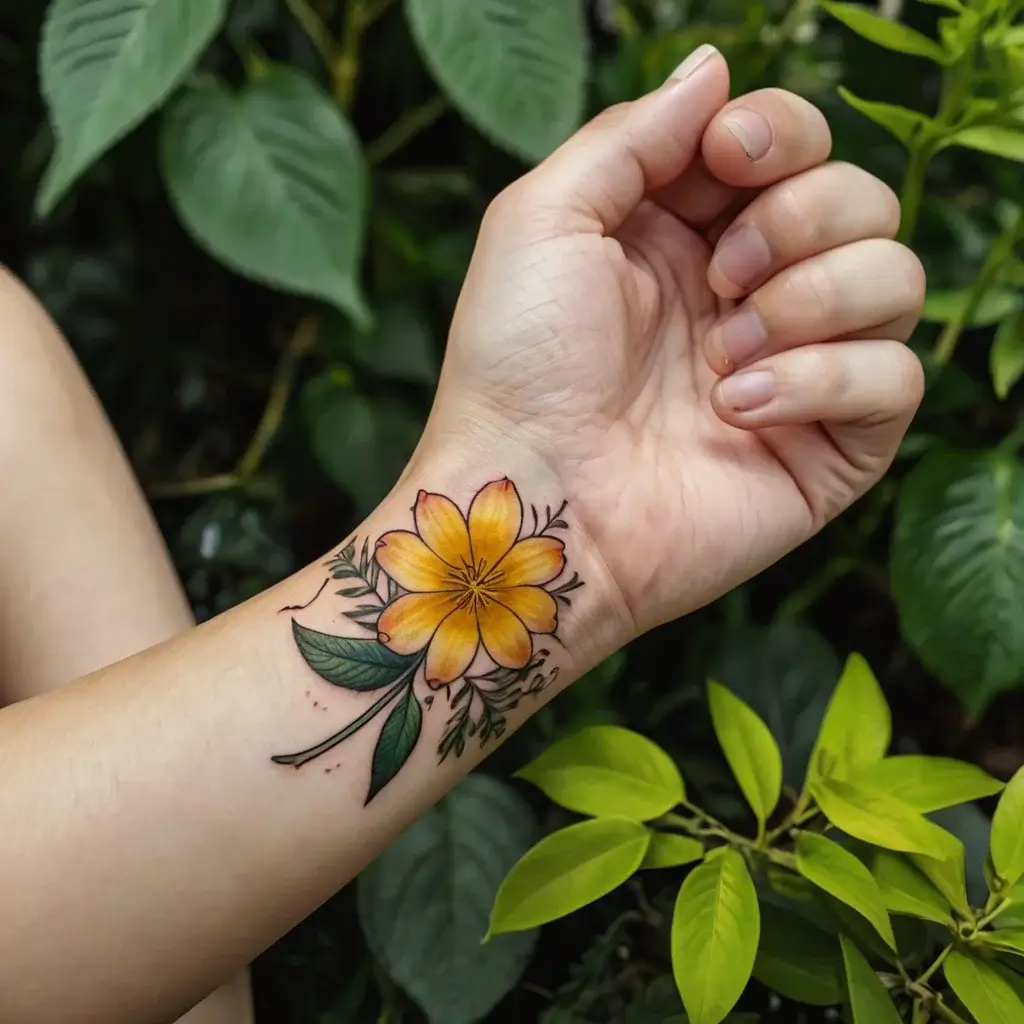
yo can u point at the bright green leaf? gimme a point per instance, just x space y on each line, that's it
927 783
983 989
107 64
567 870
947 875
892 35
671 851
996 305
715 931
1007 841
1004 142
272 182
1006 356
752 753
1005 940
514 68
1013 915
424 876
881 820
858 726
906 890
899 121
870 1003
797 959
607 771
958 570
842 875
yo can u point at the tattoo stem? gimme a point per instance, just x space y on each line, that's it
303 607
304 756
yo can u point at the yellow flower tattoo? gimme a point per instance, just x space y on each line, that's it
456 602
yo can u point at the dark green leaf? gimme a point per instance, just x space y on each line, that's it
958 571
424 902
105 65
797 959
396 742
355 664
515 68
272 182
996 305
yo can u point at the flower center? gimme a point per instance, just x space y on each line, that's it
477 579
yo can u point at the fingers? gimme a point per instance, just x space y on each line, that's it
865 393
754 141
851 291
821 209
595 180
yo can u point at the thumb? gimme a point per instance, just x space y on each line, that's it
597 178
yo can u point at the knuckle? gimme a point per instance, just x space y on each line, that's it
794 218
814 292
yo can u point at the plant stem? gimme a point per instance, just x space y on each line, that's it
912 191
800 813
942 1011
359 16
995 912
994 262
301 342
313 25
815 588
926 977
404 129
302 757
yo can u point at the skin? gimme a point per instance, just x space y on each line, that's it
591 359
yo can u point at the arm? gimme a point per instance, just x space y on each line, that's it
158 846
597 356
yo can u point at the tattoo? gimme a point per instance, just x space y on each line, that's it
452 607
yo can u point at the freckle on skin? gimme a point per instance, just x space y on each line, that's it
316 703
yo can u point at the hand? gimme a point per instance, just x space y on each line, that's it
698 324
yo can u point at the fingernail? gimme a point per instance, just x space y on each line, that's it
741 336
747 391
752 131
703 53
742 256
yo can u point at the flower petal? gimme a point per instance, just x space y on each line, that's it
495 518
410 563
532 561
533 605
443 528
454 646
504 635
408 623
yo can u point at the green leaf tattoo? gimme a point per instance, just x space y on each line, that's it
456 606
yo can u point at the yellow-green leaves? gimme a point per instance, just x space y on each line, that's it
991 139
906 890
715 929
882 821
797 959
1007 842
869 1001
839 873
672 851
858 726
899 121
928 783
608 771
750 749
890 34
984 990
567 870
1006 356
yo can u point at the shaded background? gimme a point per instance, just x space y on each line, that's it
186 355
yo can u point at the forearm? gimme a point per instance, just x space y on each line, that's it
153 845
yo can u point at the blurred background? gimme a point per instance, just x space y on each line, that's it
266 408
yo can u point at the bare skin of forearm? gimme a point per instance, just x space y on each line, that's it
158 845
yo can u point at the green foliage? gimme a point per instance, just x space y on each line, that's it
443 873
257 217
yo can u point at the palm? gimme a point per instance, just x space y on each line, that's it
602 363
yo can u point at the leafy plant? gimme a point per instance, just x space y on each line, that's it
853 842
